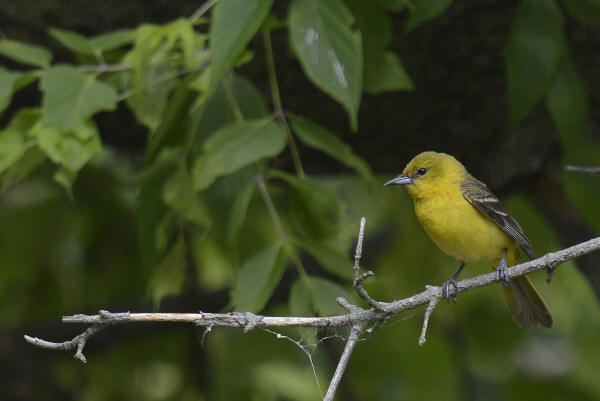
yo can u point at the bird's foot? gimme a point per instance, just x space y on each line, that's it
449 290
549 272
502 271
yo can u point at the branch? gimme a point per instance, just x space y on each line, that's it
591 170
359 279
432 304
355 332
356 318
243 319
106 319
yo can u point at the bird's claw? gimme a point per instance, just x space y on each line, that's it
502 272
549 272
447 292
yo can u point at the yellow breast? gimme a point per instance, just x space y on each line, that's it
460 230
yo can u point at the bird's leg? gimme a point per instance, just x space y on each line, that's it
451 283
502 270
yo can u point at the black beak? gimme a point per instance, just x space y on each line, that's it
402 179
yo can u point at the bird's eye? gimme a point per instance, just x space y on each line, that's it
422 171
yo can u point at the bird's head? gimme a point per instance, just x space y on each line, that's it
429 171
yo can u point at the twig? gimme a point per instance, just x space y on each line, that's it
79 341
355 332
202 10
432 304
591 170
262 189
278 105
103 67
360 278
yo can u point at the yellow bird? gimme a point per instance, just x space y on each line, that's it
466 221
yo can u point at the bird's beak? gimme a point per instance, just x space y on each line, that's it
402 179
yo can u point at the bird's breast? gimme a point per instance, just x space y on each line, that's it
459 229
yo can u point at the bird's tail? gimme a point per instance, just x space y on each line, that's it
526 306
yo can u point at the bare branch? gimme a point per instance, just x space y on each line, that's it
591 170
355 315
356 318
359 279
241 320
355 332
432 304
105 319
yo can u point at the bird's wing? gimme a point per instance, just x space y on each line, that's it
479 195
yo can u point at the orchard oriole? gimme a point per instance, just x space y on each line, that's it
466 221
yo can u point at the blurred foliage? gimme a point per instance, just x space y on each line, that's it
212 218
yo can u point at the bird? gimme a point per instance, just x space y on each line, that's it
467 221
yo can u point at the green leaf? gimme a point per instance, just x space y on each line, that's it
178 123
12 148
218 111
325 293
152 94
374 23
315 210
234 22
273 22
584 11
168 277
152 78
25 53
8 82
383 70
112 40
96 45
73 41
182 30
71 97
568 100
32 158
25 79
330 259
24 120
17 155
425 10
180 196
71 149
536 44
329 50
238 212
237 145
319 138
257 279
65 178
386 73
